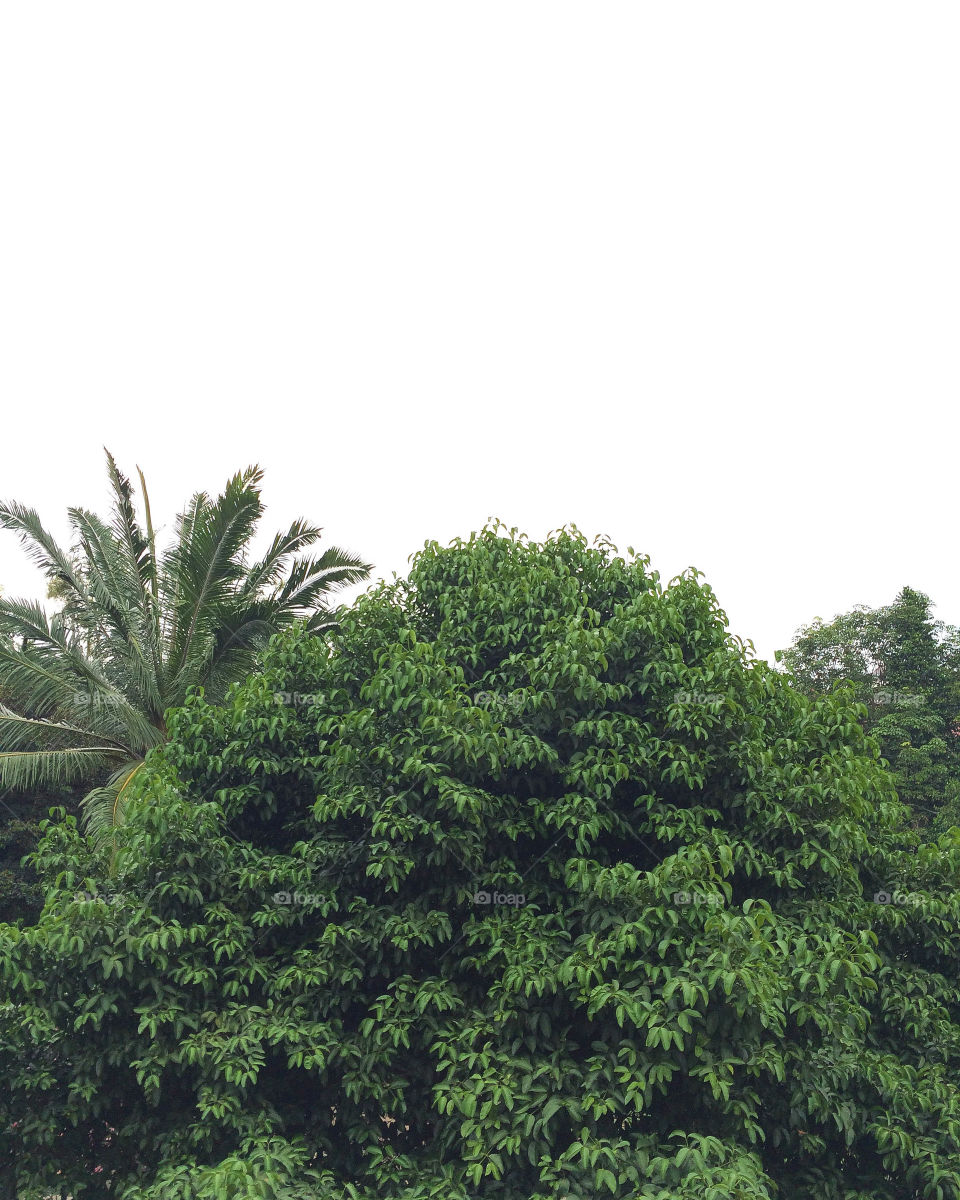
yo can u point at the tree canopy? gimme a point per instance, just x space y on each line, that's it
905 667
526 883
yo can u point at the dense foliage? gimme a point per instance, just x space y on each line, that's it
526 884
21 813
905 667
83 694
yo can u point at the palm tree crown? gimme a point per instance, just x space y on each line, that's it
83 692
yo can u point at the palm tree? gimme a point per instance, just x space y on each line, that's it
83 692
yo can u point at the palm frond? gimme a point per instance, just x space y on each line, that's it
27 620
41 547
170 574
311 579
22 769
20 733
206 566
241 634
104 808
132 622
48 640
151 539
58 688
153 631
269 570
113 584
45 680
324 620
126 529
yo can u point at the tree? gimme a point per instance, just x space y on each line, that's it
529 884
83 694
21 897
905 667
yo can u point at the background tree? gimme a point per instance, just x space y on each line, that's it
21 896
84 692
905 667
529 885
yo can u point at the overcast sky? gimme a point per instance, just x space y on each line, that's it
686 275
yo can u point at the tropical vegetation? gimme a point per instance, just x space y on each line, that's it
85 692
525 882
903 666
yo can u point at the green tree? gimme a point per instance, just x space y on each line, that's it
905 667
84 692
530 884
21 897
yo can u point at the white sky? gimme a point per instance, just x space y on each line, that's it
682 274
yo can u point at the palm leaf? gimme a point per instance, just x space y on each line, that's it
39 681
104 808
151 539
311 579
41 547
125 526
205 566
269 570
22 769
